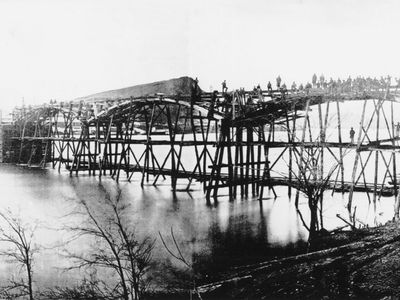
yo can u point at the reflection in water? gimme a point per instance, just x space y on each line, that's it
212 238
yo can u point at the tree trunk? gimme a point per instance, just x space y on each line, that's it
313 220
28 268
397 207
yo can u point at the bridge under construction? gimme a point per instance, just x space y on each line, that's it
241 141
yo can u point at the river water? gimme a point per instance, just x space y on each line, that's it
211 237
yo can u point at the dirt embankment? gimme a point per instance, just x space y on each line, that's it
364 264
176 86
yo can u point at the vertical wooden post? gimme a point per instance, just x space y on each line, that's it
237 164
241 162
353 175
247 178
290 142
253 165
259 149
230 166
303 136
266 177
171 140
377 151
341 166
395 184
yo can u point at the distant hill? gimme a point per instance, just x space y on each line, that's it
176 86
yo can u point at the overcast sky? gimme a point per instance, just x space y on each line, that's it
63 49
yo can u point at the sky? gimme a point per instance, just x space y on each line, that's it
63 49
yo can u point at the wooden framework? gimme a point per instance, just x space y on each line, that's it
238 140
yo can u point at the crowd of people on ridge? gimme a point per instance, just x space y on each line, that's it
358 84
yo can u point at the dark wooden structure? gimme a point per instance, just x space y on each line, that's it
244 141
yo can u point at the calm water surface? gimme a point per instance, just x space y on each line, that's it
211 237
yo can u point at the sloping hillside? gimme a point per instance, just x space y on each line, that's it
365 268
176 86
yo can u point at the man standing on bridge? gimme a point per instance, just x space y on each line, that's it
314 80
352 132
308 87
398 129
322 80
211 109
278 82
269 87
283 91
224 87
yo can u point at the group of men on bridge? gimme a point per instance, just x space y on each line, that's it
358 85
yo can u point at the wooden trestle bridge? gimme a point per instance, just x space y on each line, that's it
240 140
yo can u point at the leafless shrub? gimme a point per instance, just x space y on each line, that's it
177 254
17 238
116 248
87 289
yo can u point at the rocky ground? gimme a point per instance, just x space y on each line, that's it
361 264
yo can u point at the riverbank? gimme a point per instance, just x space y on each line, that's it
361 264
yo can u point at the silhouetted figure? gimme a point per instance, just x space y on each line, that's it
322 79
214 101
308 87
398 129
259 93
249 100
255 90
278 81
283 90
224 87
269 86
352 132
314 80
294 86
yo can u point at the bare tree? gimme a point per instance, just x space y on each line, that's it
313 183
18 239
116 247
87 289
177 254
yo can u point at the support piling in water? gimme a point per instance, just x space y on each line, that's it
236 140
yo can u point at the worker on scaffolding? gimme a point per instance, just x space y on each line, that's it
259 93
249 101
314 80
269 86
278 81
398 129
322 80
224 87
255 91
308 87
214 99
352 133
283 91
195 95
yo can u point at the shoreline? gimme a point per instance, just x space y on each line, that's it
345 265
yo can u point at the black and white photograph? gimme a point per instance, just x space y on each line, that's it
199 149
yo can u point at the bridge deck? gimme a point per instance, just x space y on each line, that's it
384 190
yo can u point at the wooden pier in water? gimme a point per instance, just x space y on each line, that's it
244 141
